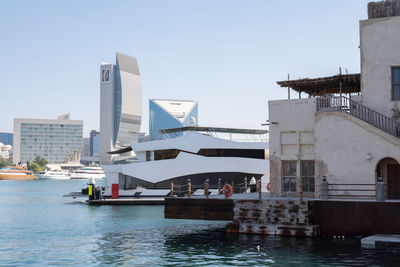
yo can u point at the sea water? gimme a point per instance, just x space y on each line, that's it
39 227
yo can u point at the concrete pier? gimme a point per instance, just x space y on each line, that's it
379 241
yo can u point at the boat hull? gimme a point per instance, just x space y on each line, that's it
87 175
55 177
17 177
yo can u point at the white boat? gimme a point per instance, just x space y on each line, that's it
94 172
195 156
58 175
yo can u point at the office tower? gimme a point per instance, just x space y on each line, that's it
165 114
55 140
120 105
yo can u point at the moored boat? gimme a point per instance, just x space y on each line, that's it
58 175
94 172
16 173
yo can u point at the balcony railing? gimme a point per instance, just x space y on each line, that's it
364 113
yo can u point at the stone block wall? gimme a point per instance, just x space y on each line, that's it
273 216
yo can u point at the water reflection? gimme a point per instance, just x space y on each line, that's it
198 245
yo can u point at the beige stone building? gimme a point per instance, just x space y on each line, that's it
348 130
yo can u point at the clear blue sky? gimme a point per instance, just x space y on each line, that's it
226 54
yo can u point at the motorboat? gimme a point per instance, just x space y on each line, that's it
194 156
16 173
58 175
88 172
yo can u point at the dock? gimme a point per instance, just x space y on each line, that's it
127 201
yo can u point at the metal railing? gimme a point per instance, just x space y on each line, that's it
364 113
351 191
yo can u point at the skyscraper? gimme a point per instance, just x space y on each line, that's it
120 105
94 143
164 114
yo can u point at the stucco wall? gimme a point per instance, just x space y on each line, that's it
291 135
377 58
343 143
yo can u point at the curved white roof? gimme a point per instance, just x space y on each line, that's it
187 164
193 142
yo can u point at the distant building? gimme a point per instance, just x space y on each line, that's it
5 151
164 114
6 138
86 147
120 105
94 143
57 140
143 137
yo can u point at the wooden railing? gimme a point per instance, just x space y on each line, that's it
364 113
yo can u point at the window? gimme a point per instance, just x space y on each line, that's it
308 175
395 83
289 176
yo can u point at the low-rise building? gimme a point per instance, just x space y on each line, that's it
5 151
348 130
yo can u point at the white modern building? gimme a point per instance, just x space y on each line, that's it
57 140
348 130
120 105
197 155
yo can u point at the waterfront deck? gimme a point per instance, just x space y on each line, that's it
127 201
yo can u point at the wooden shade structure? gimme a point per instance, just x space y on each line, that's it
338 84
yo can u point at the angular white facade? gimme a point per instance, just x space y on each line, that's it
120 105
194 155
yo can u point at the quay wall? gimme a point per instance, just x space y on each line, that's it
355 218
273 217
279 216
199 209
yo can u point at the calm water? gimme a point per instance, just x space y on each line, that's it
38 227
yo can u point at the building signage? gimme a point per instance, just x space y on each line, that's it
105 75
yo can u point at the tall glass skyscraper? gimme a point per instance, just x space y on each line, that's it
54 140
165 114
120 105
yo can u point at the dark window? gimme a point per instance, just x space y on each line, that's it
240 153
289 176
308 175
395 83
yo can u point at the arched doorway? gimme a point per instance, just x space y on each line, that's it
389 170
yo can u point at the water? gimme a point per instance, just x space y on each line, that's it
38 227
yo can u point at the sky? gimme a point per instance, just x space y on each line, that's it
226 54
